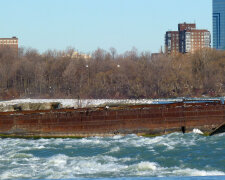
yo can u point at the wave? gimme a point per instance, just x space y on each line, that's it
120 156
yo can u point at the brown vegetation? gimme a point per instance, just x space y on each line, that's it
109 75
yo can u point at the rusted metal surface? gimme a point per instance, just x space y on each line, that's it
147 119
220 129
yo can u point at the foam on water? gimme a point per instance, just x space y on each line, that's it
196 172
130 156
115 149
197 131
146 166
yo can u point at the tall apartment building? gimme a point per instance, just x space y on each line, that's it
172 42
11 43
219 24
186 39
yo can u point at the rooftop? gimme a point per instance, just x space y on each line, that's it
9 38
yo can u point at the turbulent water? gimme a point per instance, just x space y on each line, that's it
126 157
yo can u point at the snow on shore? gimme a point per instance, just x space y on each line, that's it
82 103
75 103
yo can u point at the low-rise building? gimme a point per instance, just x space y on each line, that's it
11 43
80 55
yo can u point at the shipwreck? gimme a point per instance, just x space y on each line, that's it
52 120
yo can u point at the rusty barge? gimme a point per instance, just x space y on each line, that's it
145 119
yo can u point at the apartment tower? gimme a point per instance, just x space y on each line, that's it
186 39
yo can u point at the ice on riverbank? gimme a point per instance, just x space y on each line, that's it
47 104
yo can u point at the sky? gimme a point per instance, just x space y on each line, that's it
90 24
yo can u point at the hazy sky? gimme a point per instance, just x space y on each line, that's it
89 24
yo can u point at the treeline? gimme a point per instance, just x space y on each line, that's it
106 74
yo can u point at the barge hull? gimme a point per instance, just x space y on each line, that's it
152 119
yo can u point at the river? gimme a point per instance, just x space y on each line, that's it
121 158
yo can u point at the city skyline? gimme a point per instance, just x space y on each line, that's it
88 25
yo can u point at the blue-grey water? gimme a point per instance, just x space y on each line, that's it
175 156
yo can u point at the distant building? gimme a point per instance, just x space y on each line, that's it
11 43
191 40
79 55
157 55
172 42
219 24
186 39
76 55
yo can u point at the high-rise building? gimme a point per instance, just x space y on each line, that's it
191 40
186 39
219 24
11 43
172 42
